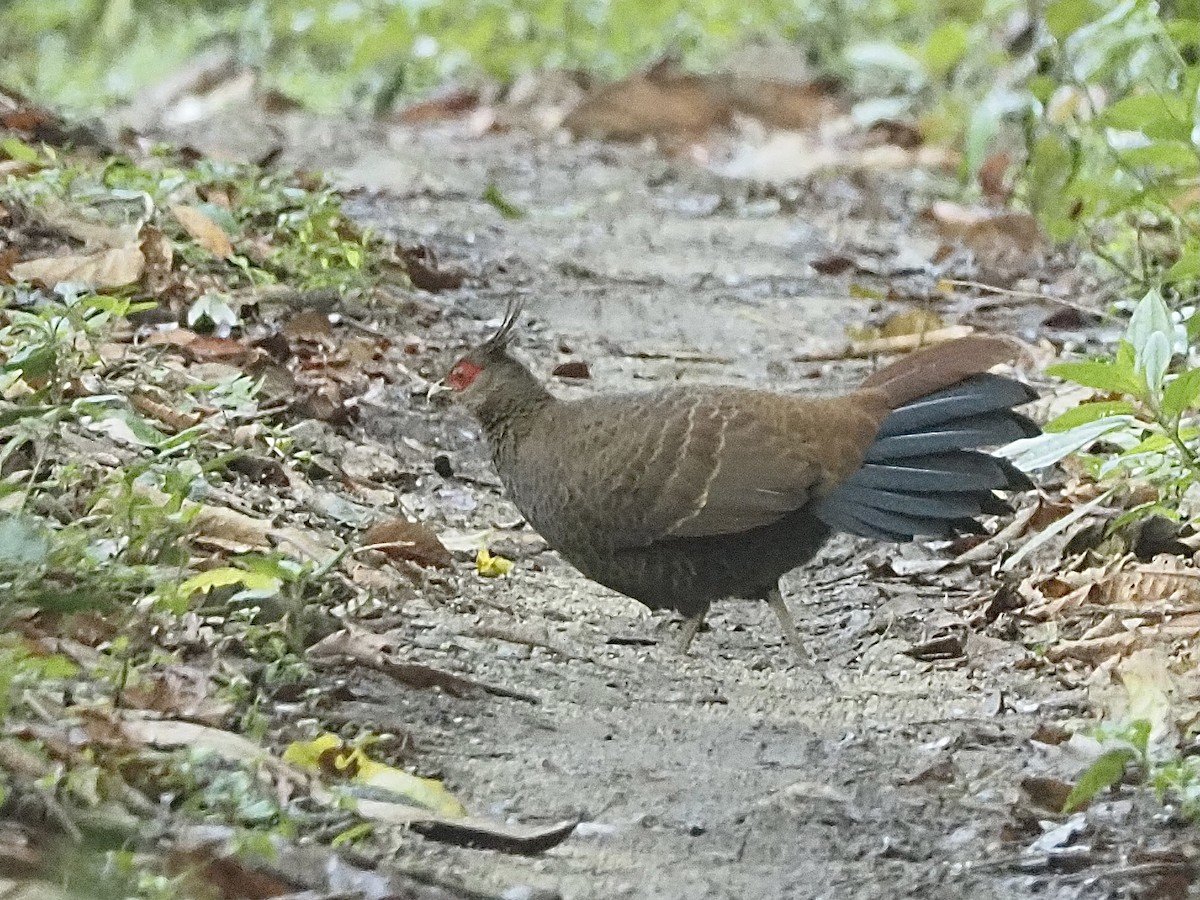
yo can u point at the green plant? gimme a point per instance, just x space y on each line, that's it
1110 118
1144 416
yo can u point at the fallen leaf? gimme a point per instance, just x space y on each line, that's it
311 325
993 177
662 103
490 566
159 255
104 269
180 692
329 756
452 104
1006 241
203 230
573 369
381 654
1049 794
412 541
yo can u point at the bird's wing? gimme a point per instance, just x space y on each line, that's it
628 472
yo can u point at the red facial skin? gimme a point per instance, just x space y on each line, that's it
462 375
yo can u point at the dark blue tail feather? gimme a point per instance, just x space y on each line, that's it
924 474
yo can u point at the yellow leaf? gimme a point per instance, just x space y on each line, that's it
326 754
223 577
491 566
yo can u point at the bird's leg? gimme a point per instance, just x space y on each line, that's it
787 623
784 615
688 631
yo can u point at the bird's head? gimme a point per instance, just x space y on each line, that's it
489 375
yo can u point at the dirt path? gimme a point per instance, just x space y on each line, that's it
733 773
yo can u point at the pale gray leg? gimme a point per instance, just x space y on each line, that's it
784 615
688 631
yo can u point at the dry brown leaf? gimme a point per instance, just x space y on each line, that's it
312 326
993 177
173 419
159 256
203 230
412 541
793 106
383 655
202 347
230 529
179 691
95 235
1000 239
449 105
657 104
105 269
8 258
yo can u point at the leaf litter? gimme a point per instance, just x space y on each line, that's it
228 528
1085 615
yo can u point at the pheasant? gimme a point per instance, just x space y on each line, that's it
689 494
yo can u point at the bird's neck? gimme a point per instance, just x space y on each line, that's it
512 405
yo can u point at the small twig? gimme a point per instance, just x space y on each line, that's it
901 343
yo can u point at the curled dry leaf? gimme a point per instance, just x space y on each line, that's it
203 230
1158 587
412 541
383 655
159 255
113 268
173 419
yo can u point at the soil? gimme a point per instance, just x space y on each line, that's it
735 772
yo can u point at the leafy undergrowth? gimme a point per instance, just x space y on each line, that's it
182 527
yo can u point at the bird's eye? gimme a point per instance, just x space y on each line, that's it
463 374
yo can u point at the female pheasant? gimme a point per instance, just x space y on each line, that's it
688 494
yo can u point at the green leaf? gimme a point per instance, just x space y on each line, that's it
507 209
1177 156
946 47
1155 360
22 541
1089 412
1063 17
1163 116
1151 333
1186 268
1181 393
1107 770
1155 443
1044 450
1101 374
18 150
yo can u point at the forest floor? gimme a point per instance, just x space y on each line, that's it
935 762
733 772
